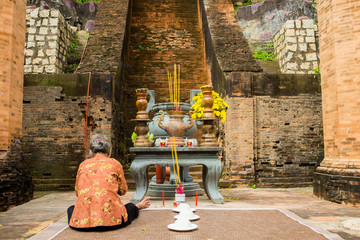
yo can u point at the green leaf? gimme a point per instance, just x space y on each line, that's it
133 136
0 225
150 136
261 54
144 229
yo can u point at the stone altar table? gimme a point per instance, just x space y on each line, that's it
187 156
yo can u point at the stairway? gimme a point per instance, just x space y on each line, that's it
162 33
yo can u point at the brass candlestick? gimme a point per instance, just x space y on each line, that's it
142 118
208 138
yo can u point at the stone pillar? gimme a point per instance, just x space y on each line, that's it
338 176
12 42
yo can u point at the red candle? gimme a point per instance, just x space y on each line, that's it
163 199
162 144
196 198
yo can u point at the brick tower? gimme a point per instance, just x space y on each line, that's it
12 42
338 176
15 185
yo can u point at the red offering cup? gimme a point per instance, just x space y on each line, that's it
189 144
162 144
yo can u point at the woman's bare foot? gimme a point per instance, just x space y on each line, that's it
145 203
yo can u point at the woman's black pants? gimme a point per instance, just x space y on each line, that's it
132 211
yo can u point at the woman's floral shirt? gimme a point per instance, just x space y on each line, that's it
98 182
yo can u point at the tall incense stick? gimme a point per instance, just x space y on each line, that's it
177 163
175 85
179 99
172 154
170 87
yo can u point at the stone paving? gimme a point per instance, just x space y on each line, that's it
29 219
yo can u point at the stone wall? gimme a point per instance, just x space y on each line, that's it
296 47
48 41
54 124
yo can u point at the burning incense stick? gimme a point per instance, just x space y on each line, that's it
179 96
170 87
174 87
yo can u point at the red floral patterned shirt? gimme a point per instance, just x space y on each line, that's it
99 180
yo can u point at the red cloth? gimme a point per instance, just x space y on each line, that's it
98 182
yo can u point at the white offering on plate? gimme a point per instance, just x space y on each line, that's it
188 214
183 206
182 224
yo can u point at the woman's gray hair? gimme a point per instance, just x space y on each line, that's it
99 144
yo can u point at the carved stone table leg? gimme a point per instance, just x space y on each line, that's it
140 175
211 175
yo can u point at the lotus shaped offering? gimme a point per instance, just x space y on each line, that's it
183 206
182 224
188 214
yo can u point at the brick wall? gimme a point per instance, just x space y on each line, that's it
53 126
16 185
296 47
48 41
273 132
162 34
12 40
289 140
240 139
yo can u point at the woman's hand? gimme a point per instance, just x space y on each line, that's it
145 203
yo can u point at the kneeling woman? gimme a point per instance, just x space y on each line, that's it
99 180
